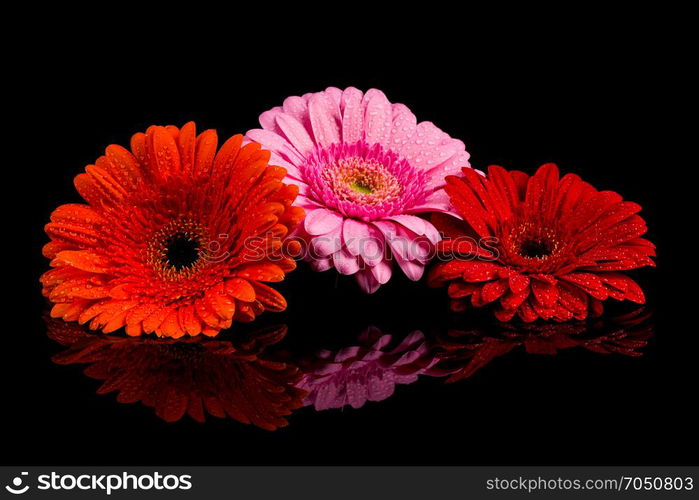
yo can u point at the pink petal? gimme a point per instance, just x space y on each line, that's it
267 119
422 151
298 108
435 202
326 396
381 386
335 95
377 118
305 199
438 159
432 233
382 272
276 143
346 353
415 224
356 393
322 264
295 133
414 341
305 202
354 234
405 248
283 153
352 115
452 166
397 243
366 281
321 221
373 248
345 262
327 244
403 127
325 118
412 269
362 239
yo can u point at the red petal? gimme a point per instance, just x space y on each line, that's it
494 290
545 293
481 271
518 282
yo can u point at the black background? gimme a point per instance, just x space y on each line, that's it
601 111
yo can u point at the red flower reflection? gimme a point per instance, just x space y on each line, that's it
192 376
464 352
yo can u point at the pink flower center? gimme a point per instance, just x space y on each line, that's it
363 181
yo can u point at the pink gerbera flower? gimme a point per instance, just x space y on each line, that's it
367 172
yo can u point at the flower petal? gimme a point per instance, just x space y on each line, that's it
345 262
321 221
325 120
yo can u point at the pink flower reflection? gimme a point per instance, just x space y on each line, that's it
369 371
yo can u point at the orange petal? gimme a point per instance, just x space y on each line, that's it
82 289
52 248
261 272
124 167
138 147
117 321
162 151
189 321
155 319
227 155
140 313
187 143
84 260
208 316
72 234
134 330
90 312
244 313
206 151
171 325
78 213
240 289
223 305
271 299
109 186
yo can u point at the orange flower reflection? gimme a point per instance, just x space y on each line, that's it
193 376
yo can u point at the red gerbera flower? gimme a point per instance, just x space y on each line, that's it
547 247
191 376
175 238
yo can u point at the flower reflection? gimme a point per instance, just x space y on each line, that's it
193 376
464 352
365 372
242 379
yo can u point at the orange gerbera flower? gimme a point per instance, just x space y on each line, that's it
175 238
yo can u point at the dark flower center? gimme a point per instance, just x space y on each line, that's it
174 251
181 251
535 249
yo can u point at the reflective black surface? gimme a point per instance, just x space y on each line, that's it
240 375
598 112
